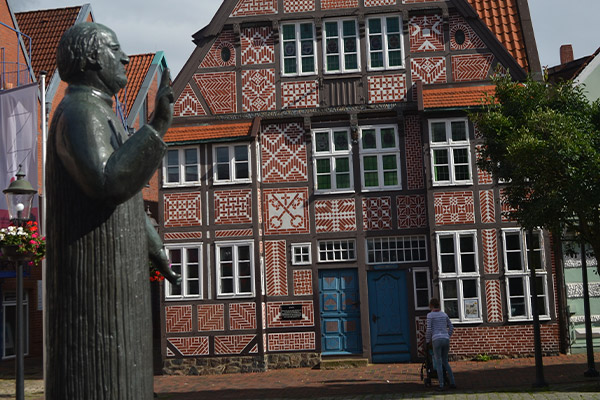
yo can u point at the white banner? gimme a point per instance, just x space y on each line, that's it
18 140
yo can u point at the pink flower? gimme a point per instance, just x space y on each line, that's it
32 242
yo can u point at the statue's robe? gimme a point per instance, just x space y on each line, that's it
99 334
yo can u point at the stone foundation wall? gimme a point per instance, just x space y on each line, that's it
236 364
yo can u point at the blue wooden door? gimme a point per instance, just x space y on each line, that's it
340 312
388 309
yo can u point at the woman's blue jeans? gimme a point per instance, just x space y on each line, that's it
440 352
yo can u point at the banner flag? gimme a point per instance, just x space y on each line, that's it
18 140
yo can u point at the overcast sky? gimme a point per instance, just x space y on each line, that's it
147 26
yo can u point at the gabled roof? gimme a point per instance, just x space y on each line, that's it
136 71
502 18
465 96
200 133
46 27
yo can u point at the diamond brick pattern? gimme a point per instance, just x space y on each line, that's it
489 242
411 211
387 88
472 40
232 344
335 215
283 153
254 7
294 6
377 3
276 268
303 282
213 58
486 201
183 236
454 208
294 341
421 328
484 177
242 316
182 209
274 314
505 208
190 346
233 206
187 104
335 4
234 233
493 299
211 317
428 69
219 91
414 152
377 213
301 94
178 319
286 211
258 45
471 67
258 90
426 33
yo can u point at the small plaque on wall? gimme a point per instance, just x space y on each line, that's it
291 312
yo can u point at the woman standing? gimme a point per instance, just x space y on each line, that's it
439 329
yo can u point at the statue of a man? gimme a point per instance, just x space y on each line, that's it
99 335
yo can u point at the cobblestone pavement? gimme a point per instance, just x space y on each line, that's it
496 379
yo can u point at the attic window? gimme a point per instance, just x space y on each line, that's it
459 37
225 54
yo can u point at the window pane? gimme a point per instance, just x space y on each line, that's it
376 60
322 141
193 287
245 285
421 280
448 265
175 290
442 173
223 172
395 58
393 24
306 31
340 140
173 174
370 163
323 182
175 256
513 241
459 130
244 268
468 262
451 308
470 288
191 173
440 157
227 285
289 63
331 29
289 32
539 286
390 178
191 156
450 289
374 25
349 28
371 179
513 261
461 156
308 64
342 164
241 153
333 63
369 141
351 61
388 138
393 42
447 244
422 298
323 166
241 170
222 154
173 157
438 132
462 172
515 286
244 252
226 254
467 243
389 162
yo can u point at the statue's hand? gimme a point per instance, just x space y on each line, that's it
163 111
161 262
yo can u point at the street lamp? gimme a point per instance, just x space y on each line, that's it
19 197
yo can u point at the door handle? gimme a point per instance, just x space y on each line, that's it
374 318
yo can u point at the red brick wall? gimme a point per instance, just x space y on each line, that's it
508 339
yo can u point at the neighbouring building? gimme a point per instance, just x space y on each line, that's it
321 185
582 71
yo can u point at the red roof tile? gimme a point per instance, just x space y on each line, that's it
501 16
455 97
46 27
136 71
207 132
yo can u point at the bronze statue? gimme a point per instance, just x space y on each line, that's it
99 336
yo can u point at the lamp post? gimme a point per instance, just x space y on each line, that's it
19 197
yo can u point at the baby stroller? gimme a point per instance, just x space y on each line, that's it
429 369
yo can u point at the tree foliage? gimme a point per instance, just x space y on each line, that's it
543 141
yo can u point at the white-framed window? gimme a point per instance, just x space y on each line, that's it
337 250
396 249
9 328
186 260
301 254
231 163
422 282
384 43
181 167
298 44
450 151
460 291
332 160
235 269
341 46
379 158
517 264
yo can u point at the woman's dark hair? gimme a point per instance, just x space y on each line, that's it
434 303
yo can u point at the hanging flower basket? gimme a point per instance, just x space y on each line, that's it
12 253
22 243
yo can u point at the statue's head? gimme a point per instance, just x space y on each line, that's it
90 53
